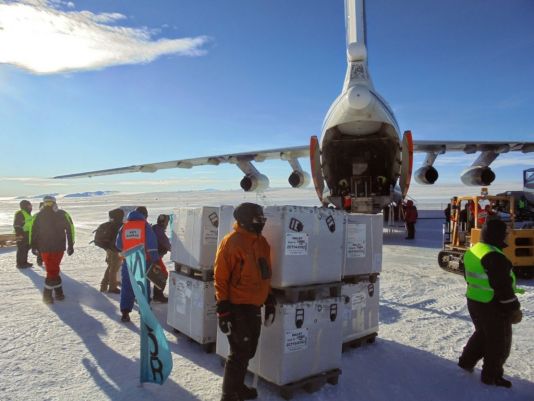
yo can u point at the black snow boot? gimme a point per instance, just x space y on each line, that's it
499 381
47 296
59 294
248 393
125 316
159 296
465 366
231 397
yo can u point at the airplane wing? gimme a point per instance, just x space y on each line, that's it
303 151
290 153
471 146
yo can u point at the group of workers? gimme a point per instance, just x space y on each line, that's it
242 276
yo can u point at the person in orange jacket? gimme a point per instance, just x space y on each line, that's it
242 285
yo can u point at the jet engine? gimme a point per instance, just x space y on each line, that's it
254 182
426 175
478 176
299 179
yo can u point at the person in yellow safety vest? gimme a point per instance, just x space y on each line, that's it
22 224
492 304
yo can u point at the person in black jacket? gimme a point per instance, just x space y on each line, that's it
52 228
22 224
164 246
110 281
492 304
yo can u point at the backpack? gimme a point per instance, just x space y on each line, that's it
103 236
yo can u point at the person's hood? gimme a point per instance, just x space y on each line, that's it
409 203
494 233
135 216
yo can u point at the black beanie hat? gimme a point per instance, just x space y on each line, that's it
143 211
25 204
494 233
245 212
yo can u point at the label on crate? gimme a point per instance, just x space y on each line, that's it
358 300
296 340
296 244
356 240
210 234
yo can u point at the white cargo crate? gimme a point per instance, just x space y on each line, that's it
304 340
191 308
361 305
306 244
363 244
194 236
226 221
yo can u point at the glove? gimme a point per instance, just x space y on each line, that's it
70 250
270 310
224 314
35 251
516 316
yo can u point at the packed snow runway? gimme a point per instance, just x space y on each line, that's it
79 350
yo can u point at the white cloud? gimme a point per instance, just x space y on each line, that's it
41 37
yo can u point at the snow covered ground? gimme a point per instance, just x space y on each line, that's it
79 350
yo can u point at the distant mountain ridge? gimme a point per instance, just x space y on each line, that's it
87 194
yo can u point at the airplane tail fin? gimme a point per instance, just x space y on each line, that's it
355 26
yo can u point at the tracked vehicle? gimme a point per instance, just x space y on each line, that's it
468 214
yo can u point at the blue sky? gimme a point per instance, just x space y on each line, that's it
88 85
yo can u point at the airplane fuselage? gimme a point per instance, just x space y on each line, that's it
360 141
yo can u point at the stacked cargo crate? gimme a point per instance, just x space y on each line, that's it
191 308
302 348
361 268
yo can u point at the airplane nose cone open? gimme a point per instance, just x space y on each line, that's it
359 97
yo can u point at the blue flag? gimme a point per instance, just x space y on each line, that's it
156 359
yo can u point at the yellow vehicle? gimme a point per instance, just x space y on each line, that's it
468 214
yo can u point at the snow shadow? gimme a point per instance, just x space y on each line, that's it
386 368
115 374
426 306
388 315
7 249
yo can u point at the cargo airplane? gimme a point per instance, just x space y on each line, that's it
361 162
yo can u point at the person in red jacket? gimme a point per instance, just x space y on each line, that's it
410 218
242 285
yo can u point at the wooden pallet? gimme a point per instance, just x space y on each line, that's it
358 342
199 274
8 240
310 384
309 292
209 348
362 277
